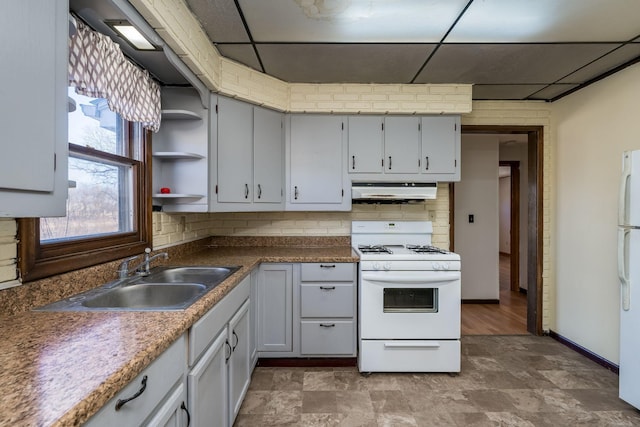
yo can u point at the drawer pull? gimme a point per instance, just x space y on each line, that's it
121 402
327 325
327 266
327 288
184 408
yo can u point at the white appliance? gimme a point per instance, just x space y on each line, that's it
408 299
629 274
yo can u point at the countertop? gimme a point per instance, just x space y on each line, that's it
60 368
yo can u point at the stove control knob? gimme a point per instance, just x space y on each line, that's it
376 266
387 266
445 265
435 265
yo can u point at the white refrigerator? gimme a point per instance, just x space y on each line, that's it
629 274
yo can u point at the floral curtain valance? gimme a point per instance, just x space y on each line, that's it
98 68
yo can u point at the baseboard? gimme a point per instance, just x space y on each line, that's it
481 301
297 362
586 353
522 291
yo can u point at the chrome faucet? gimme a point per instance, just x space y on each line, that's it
141 269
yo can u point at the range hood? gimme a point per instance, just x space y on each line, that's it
392 192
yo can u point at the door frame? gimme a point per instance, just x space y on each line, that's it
514 228
535 227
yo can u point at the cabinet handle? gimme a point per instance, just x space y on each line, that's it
259 191
226 358
389 162
426 162
327 266
237 341
143 386
353 162
246 191
295 192
327 325
327 288
184 408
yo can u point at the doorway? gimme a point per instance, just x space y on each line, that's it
533 225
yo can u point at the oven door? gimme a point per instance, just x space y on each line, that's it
410 305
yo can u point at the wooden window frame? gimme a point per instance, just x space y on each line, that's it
37 261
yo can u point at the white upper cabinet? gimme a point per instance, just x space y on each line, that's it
365 144
250 157
407 149
315 155
235 151
441 146
33 111
401 144
180 151
268 159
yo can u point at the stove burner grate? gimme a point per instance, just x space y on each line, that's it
374 249
426 249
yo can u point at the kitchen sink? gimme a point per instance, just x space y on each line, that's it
147 295
165 288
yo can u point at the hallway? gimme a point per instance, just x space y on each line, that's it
507 318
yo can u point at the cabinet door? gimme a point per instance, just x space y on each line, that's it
207 384
316 160
174 412
275 308
365 144
402 144
235 151
268 156
253 319
239 368
33 111
439 137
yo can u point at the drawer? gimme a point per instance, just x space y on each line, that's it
162 375
409 356
327 337
326 299
327 271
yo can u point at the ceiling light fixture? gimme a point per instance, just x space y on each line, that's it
131 35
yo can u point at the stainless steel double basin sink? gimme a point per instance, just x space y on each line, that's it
165 288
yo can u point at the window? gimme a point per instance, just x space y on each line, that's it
108 208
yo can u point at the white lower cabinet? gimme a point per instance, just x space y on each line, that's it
219 357
174 413
151 395
275 309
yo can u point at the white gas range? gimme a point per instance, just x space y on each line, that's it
409 299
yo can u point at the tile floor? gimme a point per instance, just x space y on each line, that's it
505 381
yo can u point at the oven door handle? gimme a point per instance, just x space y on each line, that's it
411 344
411 277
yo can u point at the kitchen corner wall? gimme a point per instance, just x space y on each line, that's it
172 229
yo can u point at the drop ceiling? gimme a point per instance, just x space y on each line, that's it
508 49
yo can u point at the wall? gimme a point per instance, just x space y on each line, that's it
504 214
518 152
171 229
8 253
477 194
593 127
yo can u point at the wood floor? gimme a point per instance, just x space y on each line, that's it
507 318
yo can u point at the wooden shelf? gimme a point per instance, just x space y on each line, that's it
177 155
180 115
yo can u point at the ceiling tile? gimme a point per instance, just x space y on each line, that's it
504 91
508 63
344 63
552 91
548 21
376 21
610 61
242 53
220 19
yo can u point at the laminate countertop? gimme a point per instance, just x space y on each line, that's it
60 368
